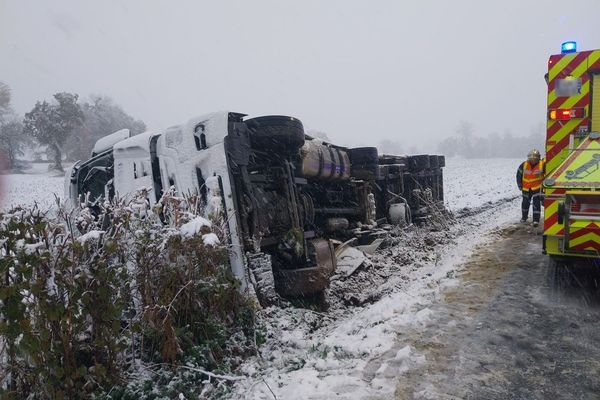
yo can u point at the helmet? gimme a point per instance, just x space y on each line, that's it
534 155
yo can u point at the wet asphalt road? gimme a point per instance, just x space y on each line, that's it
510 330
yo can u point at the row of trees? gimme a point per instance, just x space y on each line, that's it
66 127
466 144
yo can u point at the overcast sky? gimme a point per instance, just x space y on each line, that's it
361 71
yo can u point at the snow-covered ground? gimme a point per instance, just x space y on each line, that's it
473 183
35 185
358 352
355 350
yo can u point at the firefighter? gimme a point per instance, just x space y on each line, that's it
529 179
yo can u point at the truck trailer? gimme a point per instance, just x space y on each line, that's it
285 195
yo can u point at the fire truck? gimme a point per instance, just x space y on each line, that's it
572 182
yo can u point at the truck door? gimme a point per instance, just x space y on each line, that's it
595 106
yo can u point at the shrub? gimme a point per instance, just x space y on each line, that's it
98 303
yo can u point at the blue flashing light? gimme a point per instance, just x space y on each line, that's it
569 47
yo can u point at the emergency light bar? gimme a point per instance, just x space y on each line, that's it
569 47
564 114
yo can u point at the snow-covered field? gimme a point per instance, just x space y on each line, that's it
356 351
36 185
473 183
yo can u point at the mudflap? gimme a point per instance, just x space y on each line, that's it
309 281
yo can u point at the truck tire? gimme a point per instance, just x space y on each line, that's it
364 162
364 155
559 274
441 161
276 132
262 279
419 162
433 162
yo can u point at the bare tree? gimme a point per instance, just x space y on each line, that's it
12 141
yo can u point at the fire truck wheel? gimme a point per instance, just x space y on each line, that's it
559 273
276 132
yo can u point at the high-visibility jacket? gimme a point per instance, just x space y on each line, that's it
533 176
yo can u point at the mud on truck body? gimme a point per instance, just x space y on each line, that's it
284 194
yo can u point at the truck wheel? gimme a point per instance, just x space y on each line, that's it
363 155
441 161
364 162
263 280
433 162
419 162
276 132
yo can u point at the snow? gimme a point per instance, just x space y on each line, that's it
36 185
210 239
91 235
472 183
358 352
214 202
108 141
355 352
194 227
365 357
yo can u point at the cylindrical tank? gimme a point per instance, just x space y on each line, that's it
324 162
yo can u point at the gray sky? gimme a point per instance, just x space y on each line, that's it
361 71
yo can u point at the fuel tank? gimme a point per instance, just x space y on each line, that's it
323 162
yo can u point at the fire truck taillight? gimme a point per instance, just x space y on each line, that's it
564 114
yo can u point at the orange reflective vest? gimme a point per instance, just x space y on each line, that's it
533 176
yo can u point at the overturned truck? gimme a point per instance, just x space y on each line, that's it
286 196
